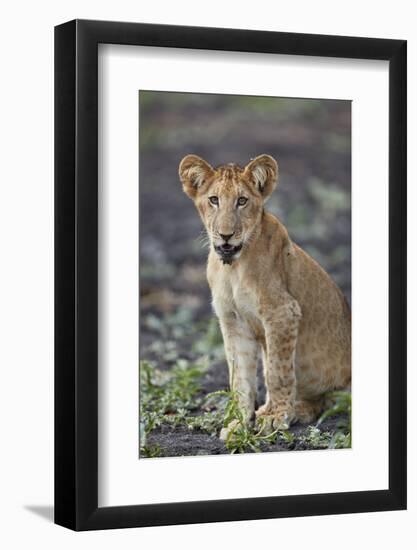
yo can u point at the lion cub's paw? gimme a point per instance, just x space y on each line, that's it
308 411
269 420
233 426
229 429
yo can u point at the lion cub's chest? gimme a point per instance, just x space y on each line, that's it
231 299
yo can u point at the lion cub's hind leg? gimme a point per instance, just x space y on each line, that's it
307 411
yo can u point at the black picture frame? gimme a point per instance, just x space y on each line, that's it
76 272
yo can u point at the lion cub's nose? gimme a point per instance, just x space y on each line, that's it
226 237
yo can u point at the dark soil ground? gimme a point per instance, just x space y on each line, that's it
181 441
311 141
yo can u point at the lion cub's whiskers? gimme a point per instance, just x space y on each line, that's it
203 239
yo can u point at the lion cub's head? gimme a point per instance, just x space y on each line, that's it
229 199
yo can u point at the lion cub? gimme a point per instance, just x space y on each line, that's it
269 295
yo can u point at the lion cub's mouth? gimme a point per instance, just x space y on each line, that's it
227 252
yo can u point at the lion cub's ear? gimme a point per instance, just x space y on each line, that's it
194 172
263 172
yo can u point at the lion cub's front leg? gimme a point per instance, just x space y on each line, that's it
281 331
241 352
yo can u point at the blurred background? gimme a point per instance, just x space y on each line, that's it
310 139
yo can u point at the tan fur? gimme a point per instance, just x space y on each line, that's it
271 296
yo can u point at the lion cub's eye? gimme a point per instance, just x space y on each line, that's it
214 200
241 201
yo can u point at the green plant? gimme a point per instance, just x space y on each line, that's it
167 396
287 436
209 422
315 438
150 451
340 404
173 398
340 440
241 437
